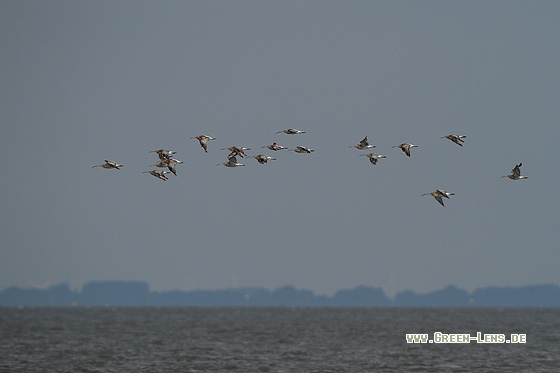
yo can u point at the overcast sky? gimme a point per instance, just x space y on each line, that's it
85 81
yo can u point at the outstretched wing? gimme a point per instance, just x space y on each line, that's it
516 172
364 142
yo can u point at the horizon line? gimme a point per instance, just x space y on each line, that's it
46 287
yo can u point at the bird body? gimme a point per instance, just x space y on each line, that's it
457 139
439 194
373 157
262 158
164 154
232 162
203 140
291 131
171 165
364 144
405 147
162 163
274 146
109 164
302 149
236 151
158 173
444 194
516 173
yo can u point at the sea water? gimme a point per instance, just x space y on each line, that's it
195 339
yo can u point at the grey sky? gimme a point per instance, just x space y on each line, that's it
84 81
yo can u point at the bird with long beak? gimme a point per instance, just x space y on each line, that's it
516 173
203 140
109 164
405 147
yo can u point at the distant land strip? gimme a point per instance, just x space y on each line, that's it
138 294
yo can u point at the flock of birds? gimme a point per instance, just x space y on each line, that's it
166 159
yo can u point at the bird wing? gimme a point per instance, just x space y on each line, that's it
113 164
457 140
516 172
406 150
171 167
442 193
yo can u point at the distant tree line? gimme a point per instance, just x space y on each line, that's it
138 294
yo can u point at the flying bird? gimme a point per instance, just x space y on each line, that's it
291 131
439 194
164 154
171 165
162 163
444 193
364 144
203 139
232 162
274 146
373 157
262 158
109 164
405 147
457 139
236 151
158 173
516 173
302 149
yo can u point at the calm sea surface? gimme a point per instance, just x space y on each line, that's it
273 340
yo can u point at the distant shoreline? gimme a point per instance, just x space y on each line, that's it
122 293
